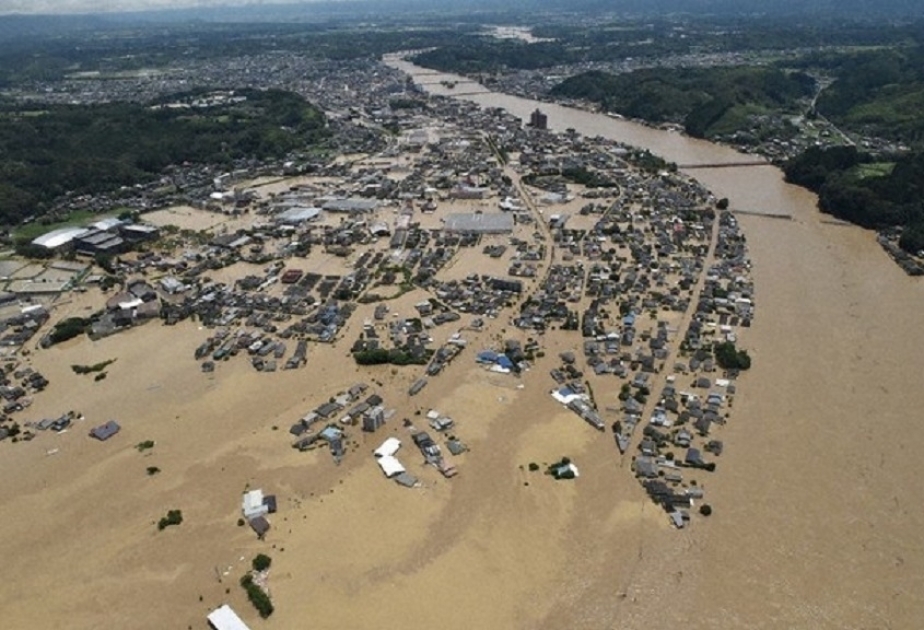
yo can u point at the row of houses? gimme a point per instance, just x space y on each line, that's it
678 438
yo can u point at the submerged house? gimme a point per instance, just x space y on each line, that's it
259 525
105 431
252 504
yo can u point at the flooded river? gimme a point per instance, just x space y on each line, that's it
818 508
758 189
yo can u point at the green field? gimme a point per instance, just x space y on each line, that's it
873 169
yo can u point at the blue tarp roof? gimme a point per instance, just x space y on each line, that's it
487 356
504 361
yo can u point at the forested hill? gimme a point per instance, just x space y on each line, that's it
704 99
49 150
876 92
868 191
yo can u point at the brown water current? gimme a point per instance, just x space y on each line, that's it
819 510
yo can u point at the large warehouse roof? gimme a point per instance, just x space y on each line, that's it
350 205
297 214
490 223
59 237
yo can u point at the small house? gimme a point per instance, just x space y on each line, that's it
105 431
646 467
390 465
693 457
259 525
252 504
441 423
406 479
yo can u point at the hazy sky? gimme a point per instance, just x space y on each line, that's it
914 7
101 6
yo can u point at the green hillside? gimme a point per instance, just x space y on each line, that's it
50 150
707 101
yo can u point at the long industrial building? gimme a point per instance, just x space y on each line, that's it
479 223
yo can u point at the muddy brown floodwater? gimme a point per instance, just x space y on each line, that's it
820 493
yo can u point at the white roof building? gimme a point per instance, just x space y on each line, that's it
60 237
390 465
171 285
388 448
104 225
224 618
252 504
34 309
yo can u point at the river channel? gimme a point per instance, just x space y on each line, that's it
817 501
755 189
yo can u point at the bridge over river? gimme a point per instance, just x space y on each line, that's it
688 167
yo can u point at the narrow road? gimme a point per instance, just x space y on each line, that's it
660 379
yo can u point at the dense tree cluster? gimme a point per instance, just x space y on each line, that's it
174 517
47 151
395 356
257 596
68 329
853 186
912 238
730 358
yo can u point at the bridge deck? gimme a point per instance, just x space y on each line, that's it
724 164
